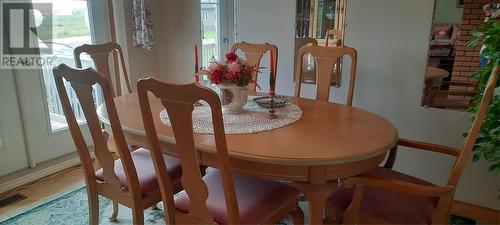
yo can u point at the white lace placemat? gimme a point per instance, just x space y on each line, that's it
251 120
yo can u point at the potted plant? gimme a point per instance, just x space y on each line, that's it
232 78
488 143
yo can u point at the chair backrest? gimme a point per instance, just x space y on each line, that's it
253 54
82 81
336 40
325 58
301 42
100 55
179 101
470 141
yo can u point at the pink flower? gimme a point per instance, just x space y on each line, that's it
234 67
213 66
231 57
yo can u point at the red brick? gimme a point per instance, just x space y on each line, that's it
472 54
463 58
472 64
461 68
477 11
473 5
468 27
459 53
465 38
475 22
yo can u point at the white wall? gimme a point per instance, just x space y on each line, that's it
141 63
177 31
447 12
260 21
13 154
391 37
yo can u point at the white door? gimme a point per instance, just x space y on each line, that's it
216 29
45 126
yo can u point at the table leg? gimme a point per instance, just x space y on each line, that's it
316 195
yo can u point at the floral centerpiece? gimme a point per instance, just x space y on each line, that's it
232 78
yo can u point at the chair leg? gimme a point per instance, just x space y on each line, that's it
297 215
93 208
138 216
114 215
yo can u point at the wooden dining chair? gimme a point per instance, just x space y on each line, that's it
130 180
333 38
253 54
325 58
308 75
221 196
386 196
100 54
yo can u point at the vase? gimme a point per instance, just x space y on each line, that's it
233 97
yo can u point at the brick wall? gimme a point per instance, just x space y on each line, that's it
467 59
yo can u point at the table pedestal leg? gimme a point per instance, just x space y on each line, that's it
316 195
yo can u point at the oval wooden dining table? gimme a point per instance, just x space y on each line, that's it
330 142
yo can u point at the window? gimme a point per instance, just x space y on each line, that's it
204 16
210 26
71 28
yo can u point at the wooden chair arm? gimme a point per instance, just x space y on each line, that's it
359 182
429 147
399 186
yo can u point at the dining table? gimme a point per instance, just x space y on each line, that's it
330 142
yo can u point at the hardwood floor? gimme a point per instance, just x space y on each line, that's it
46 188
74 176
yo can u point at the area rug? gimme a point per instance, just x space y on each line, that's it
71 208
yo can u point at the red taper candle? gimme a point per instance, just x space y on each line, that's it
196 68
272 74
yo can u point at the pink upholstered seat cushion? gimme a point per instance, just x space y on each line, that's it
257 198
390 206
145 171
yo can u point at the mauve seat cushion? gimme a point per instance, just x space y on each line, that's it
146 171
257 199
387 205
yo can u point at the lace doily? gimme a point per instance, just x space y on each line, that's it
251 120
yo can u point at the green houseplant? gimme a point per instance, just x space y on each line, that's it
488 143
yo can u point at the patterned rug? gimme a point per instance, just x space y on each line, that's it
71 208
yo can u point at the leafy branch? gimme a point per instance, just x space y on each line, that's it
488 143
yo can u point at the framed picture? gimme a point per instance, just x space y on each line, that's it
460 3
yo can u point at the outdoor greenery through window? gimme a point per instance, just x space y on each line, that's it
71 28
209 25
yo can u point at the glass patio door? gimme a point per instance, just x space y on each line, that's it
48 136
215 27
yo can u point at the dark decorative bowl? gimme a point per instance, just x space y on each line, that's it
264 102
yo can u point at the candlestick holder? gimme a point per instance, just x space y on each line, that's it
272 112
